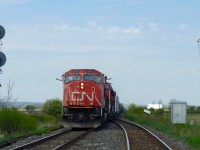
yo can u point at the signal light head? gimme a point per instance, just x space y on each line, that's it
2 55
2 59
2 32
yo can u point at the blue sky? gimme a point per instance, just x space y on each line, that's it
148 47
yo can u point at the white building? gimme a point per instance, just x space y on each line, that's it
154 106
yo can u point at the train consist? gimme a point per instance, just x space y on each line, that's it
88 99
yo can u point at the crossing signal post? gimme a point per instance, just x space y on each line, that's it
2 55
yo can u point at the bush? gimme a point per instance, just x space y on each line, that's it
52 107
134 109
43 118
47 120
131 107
30 108
12 121
159 112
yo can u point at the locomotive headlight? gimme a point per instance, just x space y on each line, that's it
82 85
91 103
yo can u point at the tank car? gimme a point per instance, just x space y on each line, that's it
84 103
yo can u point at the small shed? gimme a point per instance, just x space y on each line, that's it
178 112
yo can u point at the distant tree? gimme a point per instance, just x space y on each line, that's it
30 108
135 109
8 100
198 109
131 107
159 111
191 108
52 107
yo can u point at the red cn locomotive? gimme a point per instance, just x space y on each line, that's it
84 100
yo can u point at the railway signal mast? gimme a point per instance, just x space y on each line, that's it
198 41
2 55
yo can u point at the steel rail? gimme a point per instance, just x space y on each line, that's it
39 141
163 144
74 140
126 135
13 140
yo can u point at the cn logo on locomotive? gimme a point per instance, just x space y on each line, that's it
82 95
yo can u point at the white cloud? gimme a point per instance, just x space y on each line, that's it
64 37
132 30
120 30
153 26
61 27
92 24
12 2
183 27
113 29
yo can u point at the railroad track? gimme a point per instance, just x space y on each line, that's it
137 137
57 141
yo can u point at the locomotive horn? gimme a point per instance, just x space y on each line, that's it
2 32
2 59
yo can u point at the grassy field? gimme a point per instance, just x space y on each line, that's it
193 119
23 124
189 132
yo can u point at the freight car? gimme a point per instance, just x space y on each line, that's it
88 99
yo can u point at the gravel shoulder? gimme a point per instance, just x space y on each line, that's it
108 137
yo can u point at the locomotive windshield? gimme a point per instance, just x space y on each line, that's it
70 78
95 78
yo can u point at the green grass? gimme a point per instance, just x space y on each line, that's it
38 131
194 118
193 140
12 121
188 133
15 124
47 120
